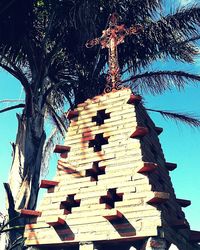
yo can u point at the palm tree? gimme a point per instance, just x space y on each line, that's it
171 36
44 48
30 48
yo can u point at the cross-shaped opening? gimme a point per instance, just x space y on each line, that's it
98 142
69 203
100 117
95 171
111 197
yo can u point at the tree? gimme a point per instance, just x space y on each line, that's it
44 49
28 52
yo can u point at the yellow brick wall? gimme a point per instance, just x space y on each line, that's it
121 159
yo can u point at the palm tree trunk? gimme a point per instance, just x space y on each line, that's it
22 188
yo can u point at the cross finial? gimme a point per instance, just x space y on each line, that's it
111 38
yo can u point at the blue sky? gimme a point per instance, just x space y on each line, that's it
180 143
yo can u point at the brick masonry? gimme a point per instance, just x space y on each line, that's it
111 185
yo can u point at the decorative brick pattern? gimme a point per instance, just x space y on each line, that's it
114 183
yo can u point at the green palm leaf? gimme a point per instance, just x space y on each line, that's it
159 81
187 118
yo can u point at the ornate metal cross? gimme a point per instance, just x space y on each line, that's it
111 38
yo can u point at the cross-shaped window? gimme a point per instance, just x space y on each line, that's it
98 141
100 117
95 171
111 197
69 203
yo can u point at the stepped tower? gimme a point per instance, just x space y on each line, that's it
112 188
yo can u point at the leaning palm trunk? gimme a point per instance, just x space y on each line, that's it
22 188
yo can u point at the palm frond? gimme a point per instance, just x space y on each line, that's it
58 121
159 81
5 5
11 100
185 19
21 105
16 18
163 38
187 118
186 45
